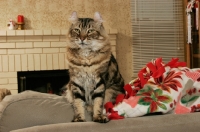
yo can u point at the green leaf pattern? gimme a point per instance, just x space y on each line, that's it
154 99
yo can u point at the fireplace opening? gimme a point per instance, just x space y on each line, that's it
47 81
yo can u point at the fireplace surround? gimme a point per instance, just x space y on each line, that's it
34 50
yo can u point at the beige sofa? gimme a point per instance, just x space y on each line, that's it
39 112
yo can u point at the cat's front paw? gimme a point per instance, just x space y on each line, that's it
101 119
78 119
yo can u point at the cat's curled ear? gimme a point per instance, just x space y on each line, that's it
74 17
98 18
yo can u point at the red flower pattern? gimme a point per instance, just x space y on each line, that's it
169 82
195 108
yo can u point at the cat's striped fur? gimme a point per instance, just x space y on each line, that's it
3 93
94 73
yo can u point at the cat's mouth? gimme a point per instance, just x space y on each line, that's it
82 43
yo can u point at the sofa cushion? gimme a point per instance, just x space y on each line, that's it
31 108
156 123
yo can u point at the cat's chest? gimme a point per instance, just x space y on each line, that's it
85 53
86 77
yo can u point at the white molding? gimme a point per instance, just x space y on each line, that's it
42 32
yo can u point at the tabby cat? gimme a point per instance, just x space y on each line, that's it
94 75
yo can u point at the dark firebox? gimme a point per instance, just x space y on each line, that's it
47 81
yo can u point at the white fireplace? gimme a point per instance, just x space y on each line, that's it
33 50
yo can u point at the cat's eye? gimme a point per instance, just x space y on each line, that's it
76 30
89 31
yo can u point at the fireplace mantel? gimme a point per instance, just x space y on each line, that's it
31 32
34 50
41 32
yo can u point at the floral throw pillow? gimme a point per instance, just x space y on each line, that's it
159 88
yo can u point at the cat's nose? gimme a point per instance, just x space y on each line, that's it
83 38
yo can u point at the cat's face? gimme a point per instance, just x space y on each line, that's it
87 32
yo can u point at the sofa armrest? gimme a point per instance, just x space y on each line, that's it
31 108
